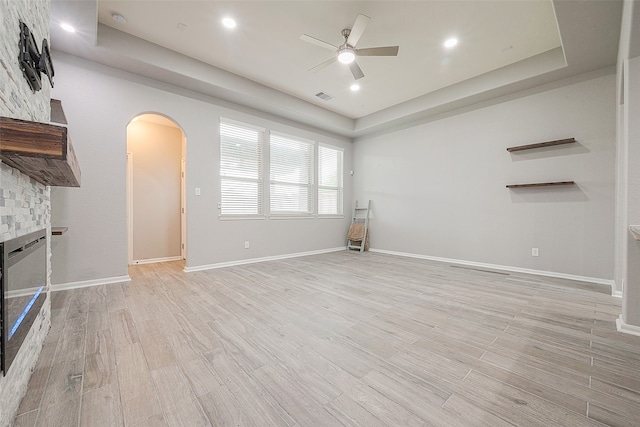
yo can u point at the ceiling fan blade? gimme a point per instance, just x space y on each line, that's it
318 42
321 65
357 29
378 51
356 71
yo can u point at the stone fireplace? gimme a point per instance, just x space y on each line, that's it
22 213
24 203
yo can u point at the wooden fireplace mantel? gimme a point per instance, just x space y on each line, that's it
41 150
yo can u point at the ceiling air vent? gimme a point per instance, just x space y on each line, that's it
324 96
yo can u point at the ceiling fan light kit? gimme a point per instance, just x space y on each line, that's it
346 55
347 52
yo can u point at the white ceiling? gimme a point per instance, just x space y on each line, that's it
504 46
266 47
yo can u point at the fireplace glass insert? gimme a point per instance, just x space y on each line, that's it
23 273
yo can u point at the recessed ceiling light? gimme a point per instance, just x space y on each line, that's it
449 43
68 28
229 22
355 87
119 19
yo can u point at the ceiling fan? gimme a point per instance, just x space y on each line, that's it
347 53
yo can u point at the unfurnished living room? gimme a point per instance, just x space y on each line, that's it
319 213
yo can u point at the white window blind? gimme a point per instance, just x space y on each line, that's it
291 176
240 169
329 180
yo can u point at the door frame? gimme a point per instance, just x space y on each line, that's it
183 196
183 206
130 208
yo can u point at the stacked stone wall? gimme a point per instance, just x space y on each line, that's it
25 204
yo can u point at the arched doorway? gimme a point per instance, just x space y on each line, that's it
156 208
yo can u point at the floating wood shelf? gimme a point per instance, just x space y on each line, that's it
58 231
542 144
541 184
41 150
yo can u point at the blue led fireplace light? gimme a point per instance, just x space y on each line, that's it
24 313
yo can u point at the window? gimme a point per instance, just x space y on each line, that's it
291 172
291 176
329 180
240 168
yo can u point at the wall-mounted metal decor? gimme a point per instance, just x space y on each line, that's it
32 62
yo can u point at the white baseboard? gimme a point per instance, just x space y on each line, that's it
595 280
626 328
88 283
263 259
154 260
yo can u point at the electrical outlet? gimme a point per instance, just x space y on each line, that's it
198 191
246 244
535 252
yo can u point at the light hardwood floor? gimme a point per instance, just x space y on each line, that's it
336 339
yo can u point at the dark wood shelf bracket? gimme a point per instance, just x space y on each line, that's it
541 184
542 144
57 113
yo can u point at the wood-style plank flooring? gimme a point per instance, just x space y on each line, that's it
336 339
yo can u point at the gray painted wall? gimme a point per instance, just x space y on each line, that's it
631 137
438 189
156 152
99 102
628 167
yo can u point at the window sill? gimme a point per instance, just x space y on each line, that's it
241 217
276 217
291 216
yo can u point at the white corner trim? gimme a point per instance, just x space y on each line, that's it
88 283
617 289
595 280
626 328
263 259
154 260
